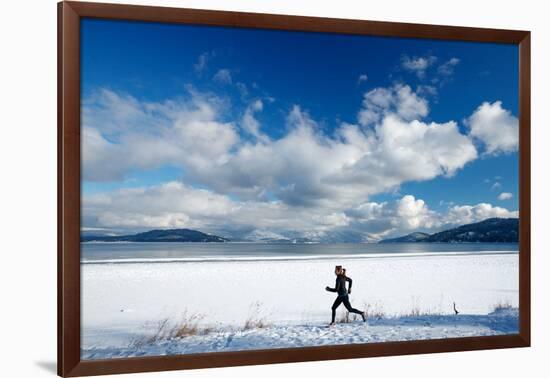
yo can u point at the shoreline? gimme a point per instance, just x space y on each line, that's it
374 255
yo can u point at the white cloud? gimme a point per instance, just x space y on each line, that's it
496 185
121 133
414 213
167 205
237 179
409 105
305 167
422 151
424 90
505 196
399 100
321 183
375 103
223 76
468 214
409 214
418 65
251 124
243 90
496 127
447 68
202 62
176 205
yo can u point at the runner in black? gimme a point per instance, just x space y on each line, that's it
343 297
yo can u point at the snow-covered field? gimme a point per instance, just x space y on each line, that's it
292 336
124 302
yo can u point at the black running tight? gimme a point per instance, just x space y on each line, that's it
345 300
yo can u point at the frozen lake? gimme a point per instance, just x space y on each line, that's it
127 288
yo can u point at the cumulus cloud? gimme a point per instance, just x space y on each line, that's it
362 78
426 90
425 67
243 90
495 127
398 100
306 180
468 214
447 68
308 168
409 214
304 167
418 65
251 124
505 196
413 213
202 62
121 134
223 76
175 205
167 205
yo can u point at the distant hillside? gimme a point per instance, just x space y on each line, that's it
415 237
288 241
269 237
178 235
493 230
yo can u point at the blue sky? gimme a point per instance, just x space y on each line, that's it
156 77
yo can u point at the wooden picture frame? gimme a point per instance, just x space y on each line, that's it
69 174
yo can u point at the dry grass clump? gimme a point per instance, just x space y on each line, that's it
503 305
165 329
343 317
374 311
187 326
256 317
417 311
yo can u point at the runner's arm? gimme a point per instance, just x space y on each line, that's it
337 286
350 283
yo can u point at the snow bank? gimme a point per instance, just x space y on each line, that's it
122 300
375 330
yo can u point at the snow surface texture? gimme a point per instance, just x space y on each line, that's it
504 321
122 301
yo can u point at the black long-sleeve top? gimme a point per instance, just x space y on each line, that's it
340 286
